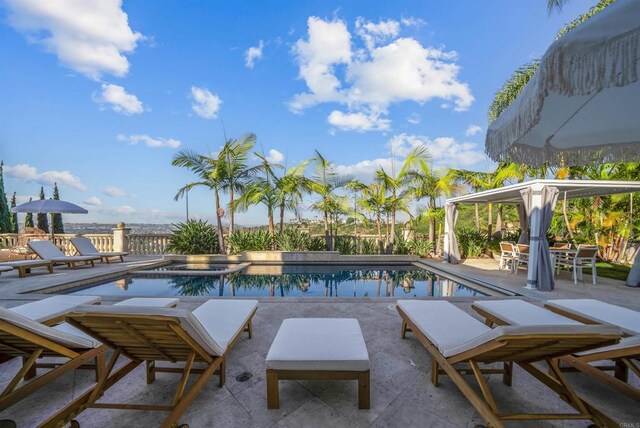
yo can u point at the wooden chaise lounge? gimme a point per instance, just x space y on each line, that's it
519 312
453 337
85 247
46 250
24 266
170 335
25 331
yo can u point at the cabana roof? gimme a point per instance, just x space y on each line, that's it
574 189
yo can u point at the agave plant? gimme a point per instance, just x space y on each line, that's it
249 240
291 239
193 237
344 245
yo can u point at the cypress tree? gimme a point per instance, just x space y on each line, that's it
58 226
5 215
28 220
14 216
43 222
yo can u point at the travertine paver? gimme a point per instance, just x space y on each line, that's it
401 393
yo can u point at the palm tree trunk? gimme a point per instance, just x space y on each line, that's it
281 216
272 227
392 237
566 219
477 213
432 221
327 238
489 220
231 209
499 220
219 224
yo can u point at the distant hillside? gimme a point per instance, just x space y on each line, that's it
107 227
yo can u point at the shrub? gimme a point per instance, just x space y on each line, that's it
344 245
193 237
420 247
292 239
316 243
249 240
368 246
471 242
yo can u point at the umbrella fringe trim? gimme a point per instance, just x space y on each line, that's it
582 72
606 153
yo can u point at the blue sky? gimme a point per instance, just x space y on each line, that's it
98 95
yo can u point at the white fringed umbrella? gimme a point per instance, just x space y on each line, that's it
49 206
582 105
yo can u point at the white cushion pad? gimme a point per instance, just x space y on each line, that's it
224 319
5 268
321 344
158 302
52 307
444 324
60 337
602 313
519 312
453 331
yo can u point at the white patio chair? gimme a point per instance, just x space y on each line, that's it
585 256
508 255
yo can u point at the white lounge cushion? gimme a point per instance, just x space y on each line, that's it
86 248
444 324
204 336
519 312
324 344
602 313
52 307
5 268
59 337
224 319
46 250
158 302
625 343
453 331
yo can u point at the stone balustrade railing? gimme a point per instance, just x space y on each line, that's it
148 243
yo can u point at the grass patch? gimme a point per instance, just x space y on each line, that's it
611 270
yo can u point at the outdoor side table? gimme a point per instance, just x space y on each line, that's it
318 349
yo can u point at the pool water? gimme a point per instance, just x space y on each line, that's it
290 281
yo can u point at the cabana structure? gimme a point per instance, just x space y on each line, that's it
537 200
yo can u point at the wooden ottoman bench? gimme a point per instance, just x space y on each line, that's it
318 349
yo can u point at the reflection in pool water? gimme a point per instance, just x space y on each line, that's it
293 281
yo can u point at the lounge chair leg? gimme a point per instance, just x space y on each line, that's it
403 331
50 267
151 372
31 372
507 375
249 329
100 364
223 372
364 398
621 371
28 364
434 372
273 399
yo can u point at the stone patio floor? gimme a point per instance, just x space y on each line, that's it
401 391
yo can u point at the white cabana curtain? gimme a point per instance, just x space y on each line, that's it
523 217
451 249
539 257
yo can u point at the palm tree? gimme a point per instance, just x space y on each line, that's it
375 202
476 181
425 182
211 174
262 190
291 187
324 183
234 156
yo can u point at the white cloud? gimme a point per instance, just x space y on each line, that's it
115 192
27 172
414 118
274 156
252 54
149 141
119 100
372 34
360 122
205 104
472 130
365 170
444 151
410 21
124 210
91 37
93 201
389 70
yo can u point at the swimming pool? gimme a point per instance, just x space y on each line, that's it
289 281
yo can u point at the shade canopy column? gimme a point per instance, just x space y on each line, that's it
451 253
